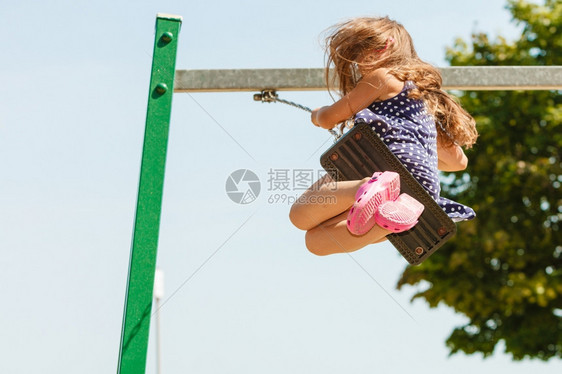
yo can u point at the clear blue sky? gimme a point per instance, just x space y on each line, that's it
75 83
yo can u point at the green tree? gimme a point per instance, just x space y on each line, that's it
503 270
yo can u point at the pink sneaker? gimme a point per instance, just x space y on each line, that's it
382 187
399 215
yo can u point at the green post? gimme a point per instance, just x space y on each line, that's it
142 263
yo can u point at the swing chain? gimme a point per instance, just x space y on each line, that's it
270 96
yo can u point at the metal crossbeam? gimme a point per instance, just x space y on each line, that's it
454 77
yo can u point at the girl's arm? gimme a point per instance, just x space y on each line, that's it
365 92
451 158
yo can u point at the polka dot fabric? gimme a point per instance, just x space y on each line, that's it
409 132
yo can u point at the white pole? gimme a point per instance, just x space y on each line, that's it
158 295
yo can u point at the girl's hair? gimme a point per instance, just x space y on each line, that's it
393 49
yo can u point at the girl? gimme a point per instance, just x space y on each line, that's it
382 81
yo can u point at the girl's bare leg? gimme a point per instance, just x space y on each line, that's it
323 200
333 236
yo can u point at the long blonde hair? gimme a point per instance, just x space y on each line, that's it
394 49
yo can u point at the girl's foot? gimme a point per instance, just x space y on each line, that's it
382 187
399 215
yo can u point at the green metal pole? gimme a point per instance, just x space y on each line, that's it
142 265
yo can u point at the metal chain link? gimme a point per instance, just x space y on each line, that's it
270 96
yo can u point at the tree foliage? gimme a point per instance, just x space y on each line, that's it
503 270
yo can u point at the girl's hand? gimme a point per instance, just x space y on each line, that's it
451 158
317 117
314 117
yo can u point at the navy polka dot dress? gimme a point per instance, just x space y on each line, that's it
409 132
